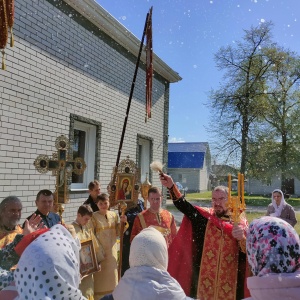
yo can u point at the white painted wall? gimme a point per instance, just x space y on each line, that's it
59 67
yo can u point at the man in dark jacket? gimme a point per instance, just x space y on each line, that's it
44 202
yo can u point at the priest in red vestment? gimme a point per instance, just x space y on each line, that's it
155 216
207 257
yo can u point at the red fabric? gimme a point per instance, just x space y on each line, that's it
182 248
227 227
9 293
248 274
149 65
27 239
180 256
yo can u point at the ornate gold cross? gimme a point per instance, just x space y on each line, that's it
236 204
62 166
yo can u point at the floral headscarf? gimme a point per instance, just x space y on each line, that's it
273 246
49 267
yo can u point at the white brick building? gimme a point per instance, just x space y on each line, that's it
70 73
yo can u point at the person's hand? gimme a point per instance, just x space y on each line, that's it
238 232
83 276
123 218
99 268
166 180
33 224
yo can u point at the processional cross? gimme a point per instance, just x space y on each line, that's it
62 166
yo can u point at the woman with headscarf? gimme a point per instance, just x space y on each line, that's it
147 278
49 267
280 209
273 249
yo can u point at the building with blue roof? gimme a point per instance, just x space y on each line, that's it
190 164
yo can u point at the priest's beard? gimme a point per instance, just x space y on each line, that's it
221 213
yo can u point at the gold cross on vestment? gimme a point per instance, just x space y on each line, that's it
210 254
226 288
62 166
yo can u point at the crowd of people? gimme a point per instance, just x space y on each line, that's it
210 257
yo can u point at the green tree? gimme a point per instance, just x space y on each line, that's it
283 111
263 155
240 100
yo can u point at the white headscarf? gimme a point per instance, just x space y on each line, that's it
147 278
149 248
49 267
278 209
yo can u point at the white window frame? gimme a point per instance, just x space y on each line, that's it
89 154
144 157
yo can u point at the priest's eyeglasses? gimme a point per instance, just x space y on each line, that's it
221 199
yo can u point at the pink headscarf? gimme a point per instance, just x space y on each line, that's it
273 246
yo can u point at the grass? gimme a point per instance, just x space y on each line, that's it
195 196
253 215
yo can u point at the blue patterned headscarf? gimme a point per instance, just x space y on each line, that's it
273 246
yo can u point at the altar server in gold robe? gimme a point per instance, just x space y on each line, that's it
106 226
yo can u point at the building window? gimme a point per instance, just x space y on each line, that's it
180 177
85 143
79 146
144 156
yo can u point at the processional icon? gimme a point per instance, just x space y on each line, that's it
125 183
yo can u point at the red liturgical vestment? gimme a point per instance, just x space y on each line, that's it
162 221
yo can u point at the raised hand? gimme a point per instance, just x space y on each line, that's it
166 180
34 223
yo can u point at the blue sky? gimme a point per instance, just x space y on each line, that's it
187 34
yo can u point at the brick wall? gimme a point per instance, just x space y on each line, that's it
62 64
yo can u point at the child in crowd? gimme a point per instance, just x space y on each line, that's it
84 232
